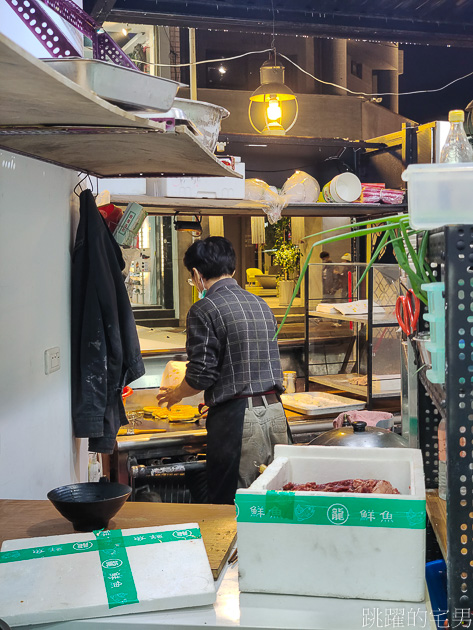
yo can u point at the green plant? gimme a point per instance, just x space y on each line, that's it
397 231
287 256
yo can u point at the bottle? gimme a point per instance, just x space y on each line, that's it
289 382
95 469
457 148
442 448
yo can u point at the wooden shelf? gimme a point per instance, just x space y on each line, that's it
437 513
46 116
245 207
341 382
378 320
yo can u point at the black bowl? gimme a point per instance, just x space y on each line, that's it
91 505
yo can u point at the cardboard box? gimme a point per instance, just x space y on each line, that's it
129 225
98 574
199 187
366 546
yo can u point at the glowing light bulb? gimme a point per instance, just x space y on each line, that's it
124 32
222 69
274 109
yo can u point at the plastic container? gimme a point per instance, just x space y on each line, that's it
436 319
343 188
436 578
300 188
350 545
439 194
173 376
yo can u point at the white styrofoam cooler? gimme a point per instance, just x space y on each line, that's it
81 576
199 187
439 194
366 546
123 185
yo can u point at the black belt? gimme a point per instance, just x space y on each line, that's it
270 399
257 400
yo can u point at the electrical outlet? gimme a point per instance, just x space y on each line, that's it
52 360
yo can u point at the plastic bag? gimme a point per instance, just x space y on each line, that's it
258 190
300 188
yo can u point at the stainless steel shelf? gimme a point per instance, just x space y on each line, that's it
46 116
245 207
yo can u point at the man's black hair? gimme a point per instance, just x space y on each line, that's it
324 255
212 257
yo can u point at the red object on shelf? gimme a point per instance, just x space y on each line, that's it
112 215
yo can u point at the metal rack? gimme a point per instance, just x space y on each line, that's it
453 250
359 344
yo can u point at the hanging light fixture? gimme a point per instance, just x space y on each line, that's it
273 106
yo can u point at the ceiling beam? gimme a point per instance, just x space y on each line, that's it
100 9
326 25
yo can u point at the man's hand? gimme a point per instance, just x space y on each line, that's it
168 396
172 395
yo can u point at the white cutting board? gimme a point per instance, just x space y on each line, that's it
166 575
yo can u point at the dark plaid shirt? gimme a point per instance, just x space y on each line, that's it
230 344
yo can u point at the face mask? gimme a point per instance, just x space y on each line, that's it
203 292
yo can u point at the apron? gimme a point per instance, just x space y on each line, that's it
224 434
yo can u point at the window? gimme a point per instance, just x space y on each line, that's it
357 69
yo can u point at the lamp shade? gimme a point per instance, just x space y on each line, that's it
273 106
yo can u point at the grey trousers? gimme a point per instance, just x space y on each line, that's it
263 427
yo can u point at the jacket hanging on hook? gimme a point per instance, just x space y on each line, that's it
105 350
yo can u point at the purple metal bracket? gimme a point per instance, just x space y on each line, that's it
55 42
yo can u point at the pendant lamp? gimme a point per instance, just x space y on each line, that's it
273 106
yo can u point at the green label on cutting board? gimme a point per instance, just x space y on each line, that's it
369 511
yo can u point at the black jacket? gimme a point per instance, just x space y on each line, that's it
105 350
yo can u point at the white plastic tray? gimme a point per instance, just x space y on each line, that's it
328 403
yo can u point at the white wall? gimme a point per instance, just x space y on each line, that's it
38 218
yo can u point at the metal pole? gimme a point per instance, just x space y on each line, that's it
193 68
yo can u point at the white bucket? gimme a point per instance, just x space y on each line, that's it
344 188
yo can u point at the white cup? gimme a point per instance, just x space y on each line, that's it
343 188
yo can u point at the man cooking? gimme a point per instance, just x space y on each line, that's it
234 359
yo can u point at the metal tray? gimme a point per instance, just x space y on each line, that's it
127 88
329 403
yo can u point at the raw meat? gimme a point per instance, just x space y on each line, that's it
361 486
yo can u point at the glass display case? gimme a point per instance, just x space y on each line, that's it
352 334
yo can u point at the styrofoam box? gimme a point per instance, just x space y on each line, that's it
123 185
360 546
439 194
66 577
199 187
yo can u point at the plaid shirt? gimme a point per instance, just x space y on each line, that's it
230 344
